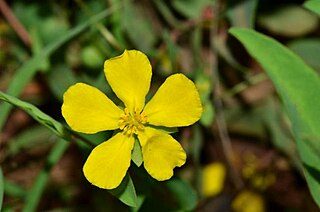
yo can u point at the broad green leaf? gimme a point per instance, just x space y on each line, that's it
313 5
308 49
136 155
1 188
34 195
242 13
289 20
25 73
298 86
126 192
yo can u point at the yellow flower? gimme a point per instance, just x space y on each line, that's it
176 103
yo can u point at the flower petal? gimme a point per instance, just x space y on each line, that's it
161 153
129 76
176 103
108 162
86 109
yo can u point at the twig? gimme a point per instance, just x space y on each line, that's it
15 23
220 120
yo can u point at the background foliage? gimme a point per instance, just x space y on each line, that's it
256 64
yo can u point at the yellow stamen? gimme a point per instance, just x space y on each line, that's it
132 123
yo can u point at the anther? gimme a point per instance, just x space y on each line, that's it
132 123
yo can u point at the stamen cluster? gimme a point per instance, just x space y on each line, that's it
132 123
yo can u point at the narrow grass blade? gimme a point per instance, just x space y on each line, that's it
38 115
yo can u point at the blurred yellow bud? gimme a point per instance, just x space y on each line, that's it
248 201
213 178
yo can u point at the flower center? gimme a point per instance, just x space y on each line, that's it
132 123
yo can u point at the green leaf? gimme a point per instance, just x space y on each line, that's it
298 86
1 188
126 192
136 155
313 5
34 195
289 20
308 49
38 115
25 73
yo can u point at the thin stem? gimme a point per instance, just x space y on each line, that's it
220 120
15 23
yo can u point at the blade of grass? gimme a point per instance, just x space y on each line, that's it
55 126
34 195
38 115
25 73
